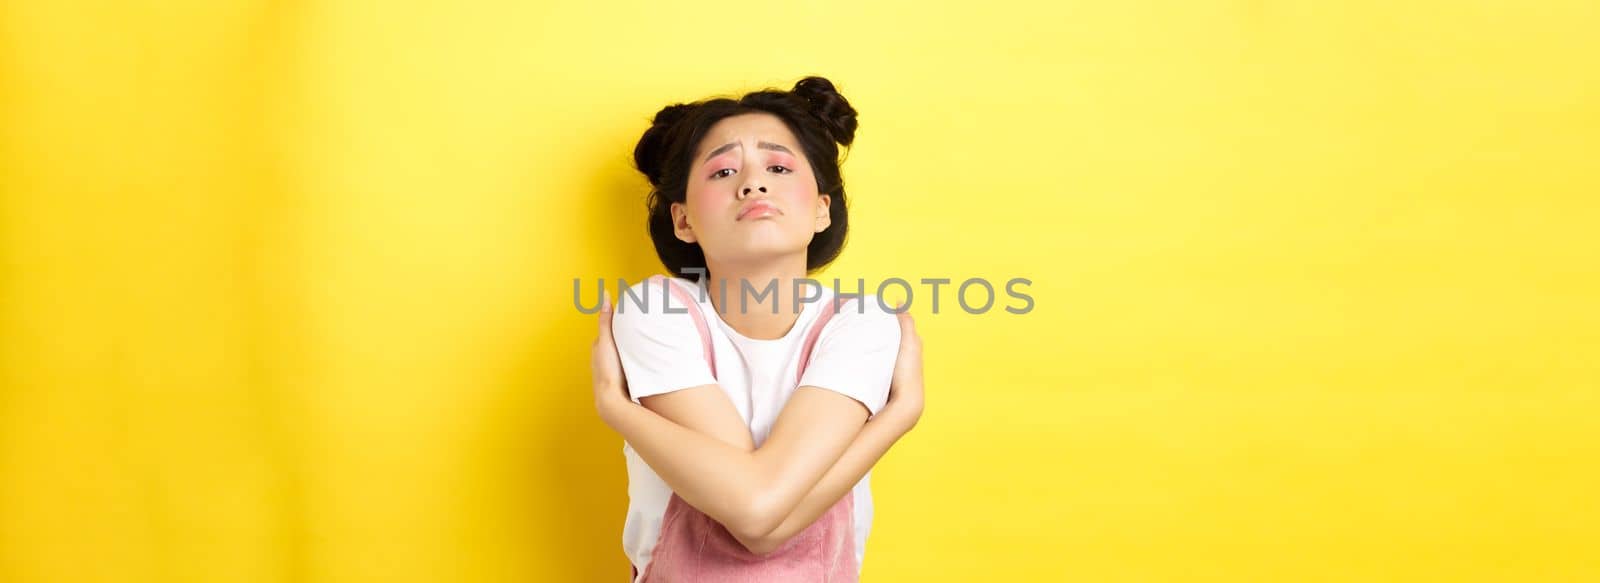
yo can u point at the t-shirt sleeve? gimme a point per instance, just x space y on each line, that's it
855 353
661 351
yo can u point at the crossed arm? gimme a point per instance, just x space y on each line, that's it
820 446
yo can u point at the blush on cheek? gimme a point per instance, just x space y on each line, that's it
800 201
702 205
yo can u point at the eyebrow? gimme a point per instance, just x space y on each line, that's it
730 145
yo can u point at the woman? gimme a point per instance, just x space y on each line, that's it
751 420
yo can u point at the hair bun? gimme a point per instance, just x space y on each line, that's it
829 107
670 114
649 156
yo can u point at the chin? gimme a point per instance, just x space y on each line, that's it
760 247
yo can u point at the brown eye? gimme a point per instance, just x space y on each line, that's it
719 173
786 170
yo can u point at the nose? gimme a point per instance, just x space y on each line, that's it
744 192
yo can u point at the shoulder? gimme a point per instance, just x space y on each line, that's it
658 304
864 307
864 316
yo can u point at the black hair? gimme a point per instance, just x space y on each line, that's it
814 111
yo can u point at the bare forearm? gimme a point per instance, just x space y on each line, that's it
743 490
875 439
709 474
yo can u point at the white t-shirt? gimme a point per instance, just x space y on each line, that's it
662 352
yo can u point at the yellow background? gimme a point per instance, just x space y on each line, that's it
285 287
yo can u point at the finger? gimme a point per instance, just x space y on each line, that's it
907 324
605 314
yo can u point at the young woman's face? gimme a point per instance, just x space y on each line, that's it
751 193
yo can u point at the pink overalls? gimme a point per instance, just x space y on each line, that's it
694 548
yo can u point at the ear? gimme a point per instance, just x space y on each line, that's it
680 223
824 218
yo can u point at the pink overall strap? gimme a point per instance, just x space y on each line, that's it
699 318
828 310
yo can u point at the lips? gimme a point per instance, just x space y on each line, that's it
757 210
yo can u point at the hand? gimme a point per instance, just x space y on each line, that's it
610 386
905 390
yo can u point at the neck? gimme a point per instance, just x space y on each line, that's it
760 300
